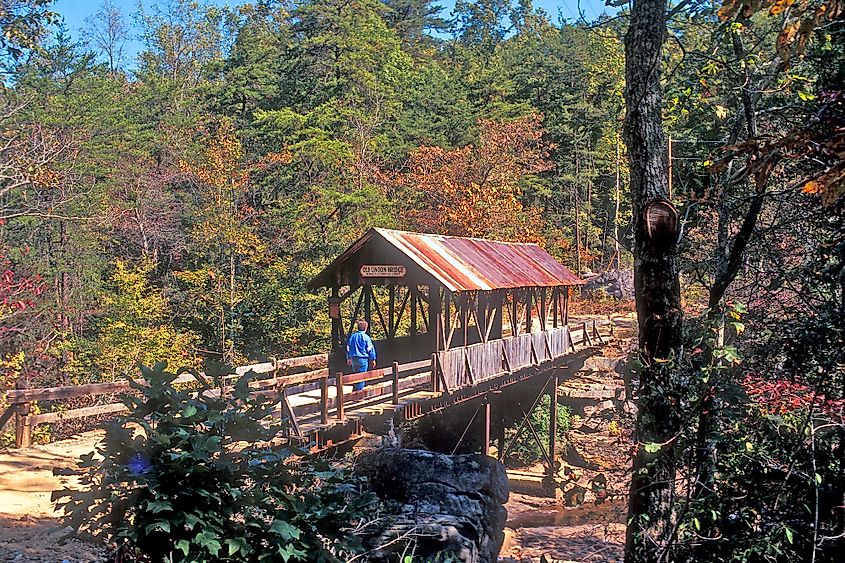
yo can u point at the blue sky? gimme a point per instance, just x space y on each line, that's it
74 12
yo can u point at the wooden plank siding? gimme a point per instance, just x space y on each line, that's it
518 350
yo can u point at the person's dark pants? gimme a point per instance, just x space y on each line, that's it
359 365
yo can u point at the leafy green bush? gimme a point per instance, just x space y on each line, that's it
191 476
526 450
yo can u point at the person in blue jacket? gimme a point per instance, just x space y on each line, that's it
360 352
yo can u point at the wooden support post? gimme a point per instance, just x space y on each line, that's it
481 306
324 399
542 308
413 290
368 308
498 311
356 312
395 383
447 316
566 306
23 428
528 315
339 395
486 446
553 424
555 305
434 380
464 304
337 323
391 312
434 315
514 306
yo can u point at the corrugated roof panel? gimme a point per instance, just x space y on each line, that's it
468 264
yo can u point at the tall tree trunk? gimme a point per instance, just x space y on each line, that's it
730 258
655 221
616 257
577 192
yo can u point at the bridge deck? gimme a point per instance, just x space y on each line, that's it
450 377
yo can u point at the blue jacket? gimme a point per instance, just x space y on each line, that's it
360 345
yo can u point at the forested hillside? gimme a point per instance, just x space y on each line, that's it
172 206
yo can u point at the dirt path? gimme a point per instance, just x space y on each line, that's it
29 527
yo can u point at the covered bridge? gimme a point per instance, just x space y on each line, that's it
425 294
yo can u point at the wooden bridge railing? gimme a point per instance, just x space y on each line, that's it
21 401
315 392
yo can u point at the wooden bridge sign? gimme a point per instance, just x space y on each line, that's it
383 271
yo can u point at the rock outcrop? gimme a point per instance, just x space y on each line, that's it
439 504
616 283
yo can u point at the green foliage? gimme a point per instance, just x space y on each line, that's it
526 450
136 328
192 476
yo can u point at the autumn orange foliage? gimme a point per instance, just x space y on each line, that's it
476 190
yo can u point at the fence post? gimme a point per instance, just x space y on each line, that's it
23 428
324 399
395 383
339 397
487 419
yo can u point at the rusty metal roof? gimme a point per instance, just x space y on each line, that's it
466 264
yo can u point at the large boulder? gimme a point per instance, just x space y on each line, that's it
616 283
438 504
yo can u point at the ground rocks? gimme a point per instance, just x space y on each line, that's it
616 283
438 504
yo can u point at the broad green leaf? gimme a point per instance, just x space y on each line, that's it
285 530
184 546
158 525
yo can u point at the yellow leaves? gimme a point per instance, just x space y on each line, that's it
278 158
221 165
802 19
830 186
721 112
728 9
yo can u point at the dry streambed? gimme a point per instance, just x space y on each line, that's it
585 523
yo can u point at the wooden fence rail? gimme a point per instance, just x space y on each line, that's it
294 392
